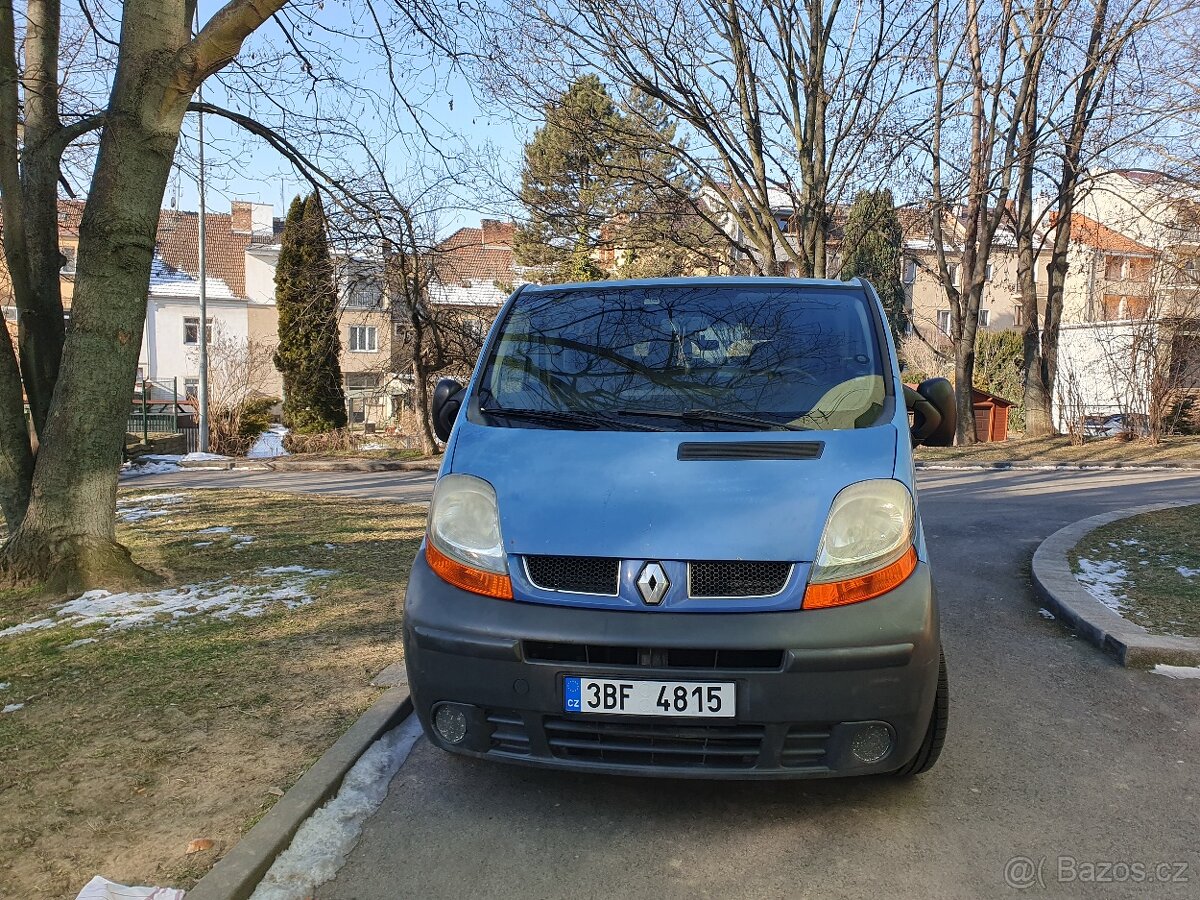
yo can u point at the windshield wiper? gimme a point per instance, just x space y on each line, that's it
591 420
709 415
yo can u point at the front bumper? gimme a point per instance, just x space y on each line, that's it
812 677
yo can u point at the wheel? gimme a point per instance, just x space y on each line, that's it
935 734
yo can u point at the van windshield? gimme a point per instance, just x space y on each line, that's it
705 357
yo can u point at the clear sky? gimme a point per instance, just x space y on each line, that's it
242 167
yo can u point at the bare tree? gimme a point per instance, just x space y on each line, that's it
984 74
1075 114
782 104
60 508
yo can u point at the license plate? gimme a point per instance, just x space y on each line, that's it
633 697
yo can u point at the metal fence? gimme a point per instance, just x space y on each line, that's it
158 408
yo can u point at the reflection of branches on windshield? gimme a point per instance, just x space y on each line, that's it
758 350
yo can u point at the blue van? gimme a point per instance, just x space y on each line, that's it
675 533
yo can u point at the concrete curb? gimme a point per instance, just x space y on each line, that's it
1132 644
354 465
237 874
1032 464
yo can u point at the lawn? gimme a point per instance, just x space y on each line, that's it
184 713
1147 568
1051 450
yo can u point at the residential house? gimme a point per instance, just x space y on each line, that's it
473 273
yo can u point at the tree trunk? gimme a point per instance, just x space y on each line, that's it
67 538
16 457
964 378
425 411
40 336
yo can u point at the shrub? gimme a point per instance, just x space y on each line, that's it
232 430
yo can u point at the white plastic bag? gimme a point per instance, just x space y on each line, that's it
103 889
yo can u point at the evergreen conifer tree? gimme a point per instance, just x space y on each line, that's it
874 245
306 298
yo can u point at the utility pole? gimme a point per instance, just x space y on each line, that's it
202 387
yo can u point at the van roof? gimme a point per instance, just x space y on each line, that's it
726 280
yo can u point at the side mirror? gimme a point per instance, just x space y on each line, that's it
935 417
447 398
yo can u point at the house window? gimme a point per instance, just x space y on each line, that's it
402 329
985 316
1137 307
1139 269
1018 317
1114 268
910 271
955 270
191 330
363 295
69 253
943 321
1110 308
987 272
191 388
362 381
364 339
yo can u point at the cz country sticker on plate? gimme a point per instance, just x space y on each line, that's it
634 697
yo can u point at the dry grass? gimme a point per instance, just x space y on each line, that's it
129 747
1151 549
1060 450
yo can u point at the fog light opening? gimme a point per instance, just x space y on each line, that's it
450 723
872 742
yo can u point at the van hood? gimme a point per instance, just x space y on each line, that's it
626 494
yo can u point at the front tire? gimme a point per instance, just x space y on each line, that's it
935 734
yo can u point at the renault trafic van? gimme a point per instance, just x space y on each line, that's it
675 533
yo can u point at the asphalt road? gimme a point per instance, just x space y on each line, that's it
401 486
1056 755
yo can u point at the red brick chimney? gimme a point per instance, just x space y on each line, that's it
241 217
496 235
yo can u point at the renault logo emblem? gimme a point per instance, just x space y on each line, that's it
652 584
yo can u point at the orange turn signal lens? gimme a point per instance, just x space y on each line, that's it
864 587
475 580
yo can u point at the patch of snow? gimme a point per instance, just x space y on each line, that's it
269 444
1186 572
103 889
374 445
27 626
5 685
241 541
216 529
206 457
150 506
331 546
1105 580
12 707
148 468
322 844
202 544
1177 671
219 599
79 643
293 570
1045 613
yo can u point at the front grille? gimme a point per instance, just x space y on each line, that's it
658 657
509 734
737 579
654 744
804 747
577 574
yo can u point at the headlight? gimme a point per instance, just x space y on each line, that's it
464 523
866 548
